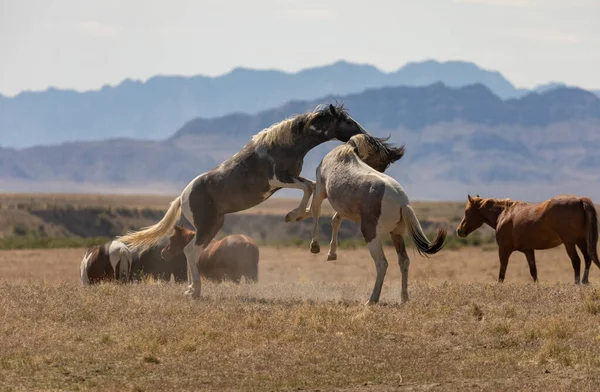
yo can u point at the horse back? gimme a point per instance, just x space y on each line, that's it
230 255
544 225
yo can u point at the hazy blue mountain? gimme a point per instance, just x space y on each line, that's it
152 109
457 140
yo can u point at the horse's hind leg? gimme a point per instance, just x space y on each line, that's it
316 211
301 212
336 222
575 260
381 264
583 247
403 262
530 255
206 229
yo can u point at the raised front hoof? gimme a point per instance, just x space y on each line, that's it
294 216
331 256
315 247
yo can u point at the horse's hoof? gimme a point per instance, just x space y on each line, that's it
195 294
315 247
291 216
404 299
331 256
370 303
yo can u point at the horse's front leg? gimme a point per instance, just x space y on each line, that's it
336 222
307 186
316 211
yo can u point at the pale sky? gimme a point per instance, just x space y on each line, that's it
85 44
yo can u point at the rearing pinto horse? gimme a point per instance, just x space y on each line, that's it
272 160
525 227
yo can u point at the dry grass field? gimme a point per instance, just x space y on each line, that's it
303 327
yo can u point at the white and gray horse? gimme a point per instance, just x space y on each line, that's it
360 193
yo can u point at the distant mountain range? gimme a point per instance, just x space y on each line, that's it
152 110
458 140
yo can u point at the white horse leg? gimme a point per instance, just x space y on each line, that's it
125 264
192 252
403 263
336 222
301 212
316 211
381 264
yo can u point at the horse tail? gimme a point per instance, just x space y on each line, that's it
140 241
85 280
591 226
424 246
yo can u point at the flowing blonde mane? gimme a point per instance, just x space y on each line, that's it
279 133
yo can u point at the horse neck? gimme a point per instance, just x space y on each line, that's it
304 144
492 213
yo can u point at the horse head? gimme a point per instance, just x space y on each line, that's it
177 241
375 151
332 122
473 218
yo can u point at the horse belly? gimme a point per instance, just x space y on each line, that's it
347 197
537 236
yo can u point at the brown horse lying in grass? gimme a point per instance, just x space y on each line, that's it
229 258
524 227
151 264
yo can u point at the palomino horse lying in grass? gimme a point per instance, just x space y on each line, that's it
362 194
106 262
524 227
272 160
232 257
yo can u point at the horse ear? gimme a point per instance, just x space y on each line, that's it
478 195
333 110
470 198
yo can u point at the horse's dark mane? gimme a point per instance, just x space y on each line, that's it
392 154
299 121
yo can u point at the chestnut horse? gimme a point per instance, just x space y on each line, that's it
109 261
229 258
525 227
